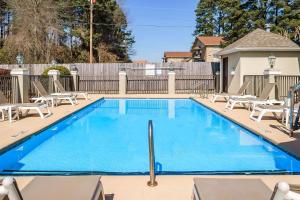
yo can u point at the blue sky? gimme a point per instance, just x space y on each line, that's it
176 21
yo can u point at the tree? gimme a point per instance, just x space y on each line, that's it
44 30
111 36
3 21
235 18
205 18
34 29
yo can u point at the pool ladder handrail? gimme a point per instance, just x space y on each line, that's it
151 182
293 123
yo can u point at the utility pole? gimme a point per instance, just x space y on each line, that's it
91 30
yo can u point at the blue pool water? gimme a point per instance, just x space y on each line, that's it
110 136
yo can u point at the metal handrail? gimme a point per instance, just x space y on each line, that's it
151 182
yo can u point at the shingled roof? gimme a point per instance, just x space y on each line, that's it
210 40
260 40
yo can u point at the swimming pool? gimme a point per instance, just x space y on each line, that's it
110 137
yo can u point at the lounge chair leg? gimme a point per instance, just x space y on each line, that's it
10 114
40 113
232 105
71 101
287 114
261 115
227 104
252 115
214 98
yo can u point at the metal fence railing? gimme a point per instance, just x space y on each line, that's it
284 83
186 84
257 84
6 86
101 85
147 84
67 82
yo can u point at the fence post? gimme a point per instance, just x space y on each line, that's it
171 82
122 82
75 78
270 76
22 87
217 82
55 76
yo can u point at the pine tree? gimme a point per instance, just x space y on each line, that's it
112 41
236 20
205 18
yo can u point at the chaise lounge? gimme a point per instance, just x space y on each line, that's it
253 101
239 93
45 97
5 106
242 189
54 188
281 109
62 91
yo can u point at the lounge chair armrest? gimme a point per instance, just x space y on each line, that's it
274 101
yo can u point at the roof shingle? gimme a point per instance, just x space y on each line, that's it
260 40
210 40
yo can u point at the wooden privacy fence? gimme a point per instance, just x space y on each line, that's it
195 84
135 69
102 85
147 84
6 86
283 85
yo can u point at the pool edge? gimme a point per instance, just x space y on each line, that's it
17 142
270 140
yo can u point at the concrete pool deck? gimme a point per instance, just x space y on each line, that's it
170 187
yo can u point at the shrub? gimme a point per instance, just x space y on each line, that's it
63 70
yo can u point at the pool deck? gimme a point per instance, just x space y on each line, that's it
170 187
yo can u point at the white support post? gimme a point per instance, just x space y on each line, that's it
171 82
22 86
122 82
221 75
75 77
55 76
270 75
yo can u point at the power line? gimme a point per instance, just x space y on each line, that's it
136 25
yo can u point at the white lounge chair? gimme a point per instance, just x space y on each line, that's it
62 91
45 97
54 188
280 109
252 101
239 93
16 108
242 189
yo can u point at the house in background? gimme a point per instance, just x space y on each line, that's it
205 47
177 57
251 55
140 61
